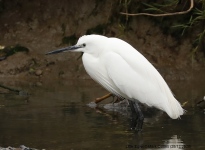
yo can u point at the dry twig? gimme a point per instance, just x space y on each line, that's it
159 15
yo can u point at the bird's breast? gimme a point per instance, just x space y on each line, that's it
95 67
91 64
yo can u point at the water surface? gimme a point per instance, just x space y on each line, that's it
55 116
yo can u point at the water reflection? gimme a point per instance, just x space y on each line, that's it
174 143
56 116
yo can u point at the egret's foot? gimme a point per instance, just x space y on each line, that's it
97 100
113 99
116 101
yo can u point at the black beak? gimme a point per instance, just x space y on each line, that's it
200 102
64 49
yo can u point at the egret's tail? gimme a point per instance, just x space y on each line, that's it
175 109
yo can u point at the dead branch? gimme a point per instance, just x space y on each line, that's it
159 15
10 89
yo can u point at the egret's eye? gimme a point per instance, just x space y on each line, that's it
84 45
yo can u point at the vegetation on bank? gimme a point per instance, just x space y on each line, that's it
190 23
10 50
179 26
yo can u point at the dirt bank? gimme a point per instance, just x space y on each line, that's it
43 26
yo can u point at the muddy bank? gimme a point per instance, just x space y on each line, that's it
43 26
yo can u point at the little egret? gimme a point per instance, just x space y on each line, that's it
126 73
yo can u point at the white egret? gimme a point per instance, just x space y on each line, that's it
126 73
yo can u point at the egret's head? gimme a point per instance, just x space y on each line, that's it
92 44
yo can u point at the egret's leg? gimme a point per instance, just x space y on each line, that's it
97 100
137 116
117 100
113 99
140 117
134 119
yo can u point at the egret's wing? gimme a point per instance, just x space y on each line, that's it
138 79
134 84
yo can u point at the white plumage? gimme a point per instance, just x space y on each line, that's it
123 71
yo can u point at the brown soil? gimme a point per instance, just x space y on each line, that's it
41 25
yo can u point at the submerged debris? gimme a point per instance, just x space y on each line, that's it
92 105
122 105
151 114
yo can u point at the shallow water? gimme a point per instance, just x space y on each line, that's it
55 116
